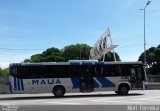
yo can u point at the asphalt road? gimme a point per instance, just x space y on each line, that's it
100 101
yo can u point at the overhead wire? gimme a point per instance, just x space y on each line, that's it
3 48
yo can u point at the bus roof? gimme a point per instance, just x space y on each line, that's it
73 63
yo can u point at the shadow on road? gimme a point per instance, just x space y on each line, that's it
67 96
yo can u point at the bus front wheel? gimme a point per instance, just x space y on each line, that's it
123 89
59 91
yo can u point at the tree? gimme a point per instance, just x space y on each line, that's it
110 57
50 55
4 72
152 56
75 52
37 58
157 55
27 60
152 59
70 52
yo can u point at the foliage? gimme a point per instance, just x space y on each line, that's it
152 59
50 55
110 57
70 52
75 52
4 72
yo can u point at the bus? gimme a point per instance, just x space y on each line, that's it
77 76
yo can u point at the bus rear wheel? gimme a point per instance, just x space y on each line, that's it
59 91
123 90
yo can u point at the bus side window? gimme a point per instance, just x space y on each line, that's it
111 70
106 70
86 70
13 70
124 70
23 72
98 70
72 71
117 70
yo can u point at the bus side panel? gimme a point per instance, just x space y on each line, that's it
71 84
17 85
108 83
43 85
46 85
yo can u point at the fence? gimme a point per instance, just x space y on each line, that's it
153 82
4 88
4 80
153 78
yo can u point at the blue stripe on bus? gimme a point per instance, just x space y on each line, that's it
95 84
75 82
105 82
74 63
18 82
99 63
22 85
15 84
86 63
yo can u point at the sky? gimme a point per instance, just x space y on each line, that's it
29 27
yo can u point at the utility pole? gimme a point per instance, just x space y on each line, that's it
144 9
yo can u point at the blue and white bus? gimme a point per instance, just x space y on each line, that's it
77 76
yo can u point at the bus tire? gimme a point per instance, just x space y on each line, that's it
59 91
123 89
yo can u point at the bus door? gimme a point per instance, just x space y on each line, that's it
86 79
136 77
